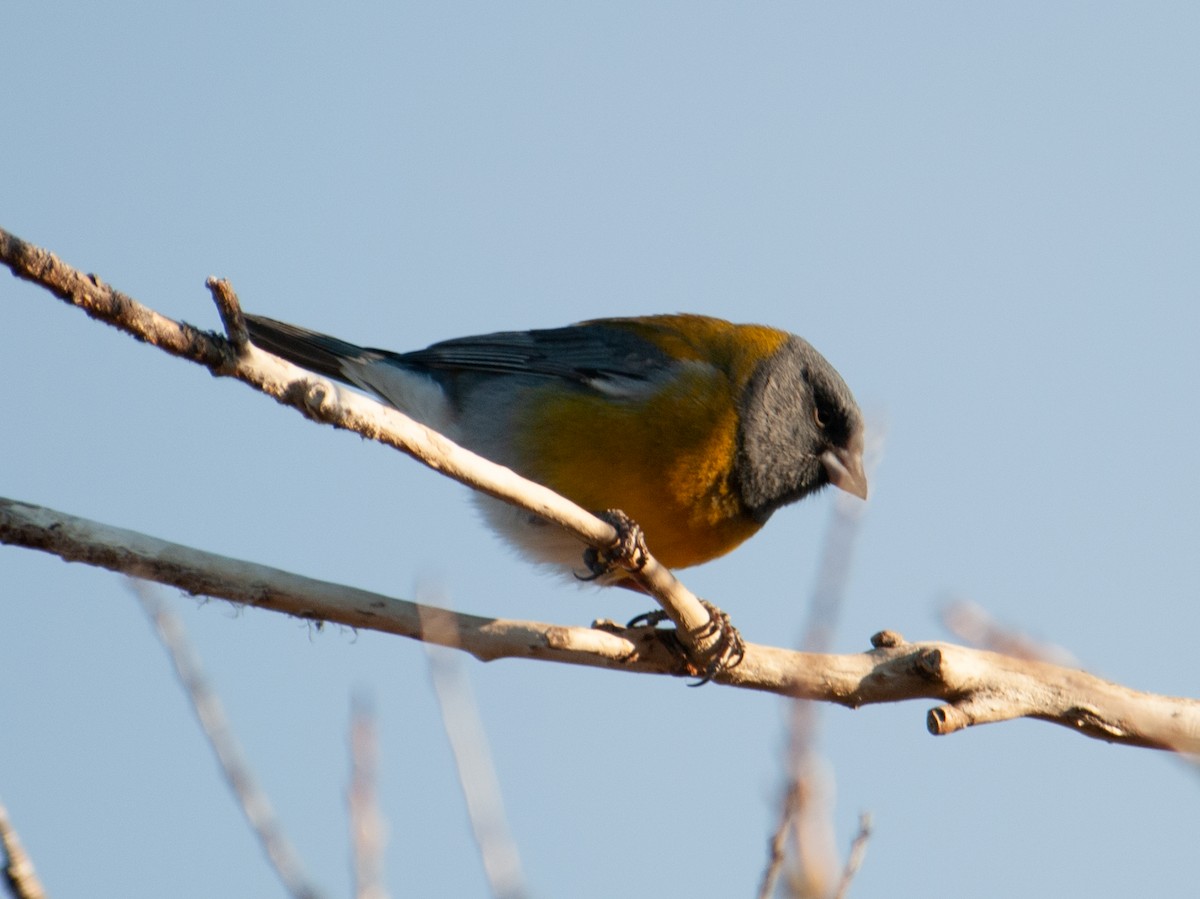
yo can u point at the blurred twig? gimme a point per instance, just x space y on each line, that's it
367 829
211 715
971 623
806 813
858 851
19 875
476 774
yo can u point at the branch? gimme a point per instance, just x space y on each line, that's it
806 808
19 875
970 622
858 851
974 686
368 832
320 400
210 713
473 762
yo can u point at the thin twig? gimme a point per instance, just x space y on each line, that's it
19 875
777 847
255 805
805 809
814 840
972 624
858 852
368 833
473 762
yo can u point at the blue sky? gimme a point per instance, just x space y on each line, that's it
985 216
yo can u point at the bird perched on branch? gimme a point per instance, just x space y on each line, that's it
696 428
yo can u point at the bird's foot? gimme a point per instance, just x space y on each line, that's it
726 652
628 551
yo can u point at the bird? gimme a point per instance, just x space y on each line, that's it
696 428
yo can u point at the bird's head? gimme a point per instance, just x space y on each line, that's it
800 430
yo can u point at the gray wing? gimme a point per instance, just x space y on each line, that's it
596 354
591 353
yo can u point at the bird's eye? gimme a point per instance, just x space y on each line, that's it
819 417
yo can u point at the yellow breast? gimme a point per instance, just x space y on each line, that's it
666 460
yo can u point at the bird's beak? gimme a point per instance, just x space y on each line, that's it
844 465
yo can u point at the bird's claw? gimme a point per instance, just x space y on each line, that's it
628 551
726 652
647 619
729 649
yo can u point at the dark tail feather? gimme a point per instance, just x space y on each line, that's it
317 352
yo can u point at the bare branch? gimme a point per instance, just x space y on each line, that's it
858 852
815 866
19 875
211 714
367 829
971 623
321 400
472 760
975 686
777 847
806 811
